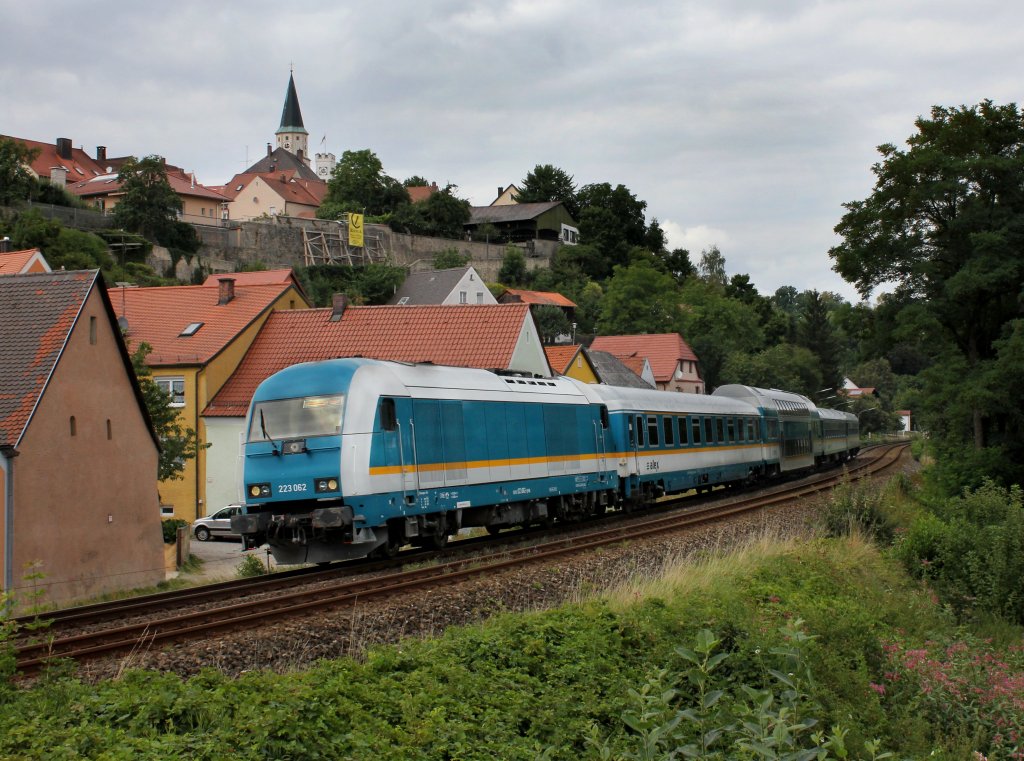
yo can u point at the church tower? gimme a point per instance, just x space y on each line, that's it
292 135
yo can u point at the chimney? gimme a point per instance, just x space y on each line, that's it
225 290
268 149
101 154
58 176
500 191
5 245
64 147
339 302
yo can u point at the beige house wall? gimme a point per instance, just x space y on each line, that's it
86 517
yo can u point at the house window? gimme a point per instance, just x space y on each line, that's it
462 297
479 298
92 330
74 426
175 387
167 510
110 431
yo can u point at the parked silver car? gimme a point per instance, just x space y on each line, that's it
217 524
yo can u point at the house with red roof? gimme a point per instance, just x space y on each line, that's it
496 336
673 362
61 163
22 262
199 204
572 360
199 334
78 456
538 299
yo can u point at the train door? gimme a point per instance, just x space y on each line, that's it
601 441
397 444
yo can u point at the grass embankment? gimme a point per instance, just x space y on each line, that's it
824 646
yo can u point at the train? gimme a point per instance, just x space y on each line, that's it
355 457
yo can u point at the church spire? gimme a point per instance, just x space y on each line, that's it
292 135
291 116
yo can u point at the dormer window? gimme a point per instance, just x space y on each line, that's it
191 329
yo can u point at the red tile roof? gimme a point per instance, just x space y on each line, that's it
418 193
37 313
15 262
256 277
460 335
560 357
80 165
539 298
159 315
108 184
284 182
663 351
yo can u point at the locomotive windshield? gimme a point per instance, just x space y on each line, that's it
297 418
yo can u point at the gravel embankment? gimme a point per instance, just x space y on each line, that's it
296 643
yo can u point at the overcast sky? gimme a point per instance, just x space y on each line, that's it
741 123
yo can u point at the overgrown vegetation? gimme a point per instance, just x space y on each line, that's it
170 528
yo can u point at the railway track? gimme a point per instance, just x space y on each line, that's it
110 629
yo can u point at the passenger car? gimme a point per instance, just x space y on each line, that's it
217 524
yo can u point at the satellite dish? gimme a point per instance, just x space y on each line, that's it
122 323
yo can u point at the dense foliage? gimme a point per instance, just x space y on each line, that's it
792 649
945 223
369 284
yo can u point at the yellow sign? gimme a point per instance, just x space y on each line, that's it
355 230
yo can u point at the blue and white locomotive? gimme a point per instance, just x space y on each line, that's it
352 457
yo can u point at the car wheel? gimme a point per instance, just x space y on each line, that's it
203 534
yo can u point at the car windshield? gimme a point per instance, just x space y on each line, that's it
296 418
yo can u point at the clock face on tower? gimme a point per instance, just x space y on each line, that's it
286 145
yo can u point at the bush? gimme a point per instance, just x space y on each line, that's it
972 550
859 505
170 527
251 566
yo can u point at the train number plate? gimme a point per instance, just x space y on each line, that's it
290 488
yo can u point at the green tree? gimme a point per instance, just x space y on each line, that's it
415 182
716 326
148 204
549 183
945 223
677 263
16 182
513 267
639 299
359 184
792 368
611 224
370 284
449 259
712 266
178 443
551 323
815 332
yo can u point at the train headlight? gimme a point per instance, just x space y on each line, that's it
258 491
323 485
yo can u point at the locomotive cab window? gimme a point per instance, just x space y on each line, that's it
604 417
639 431
388 418
296 418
